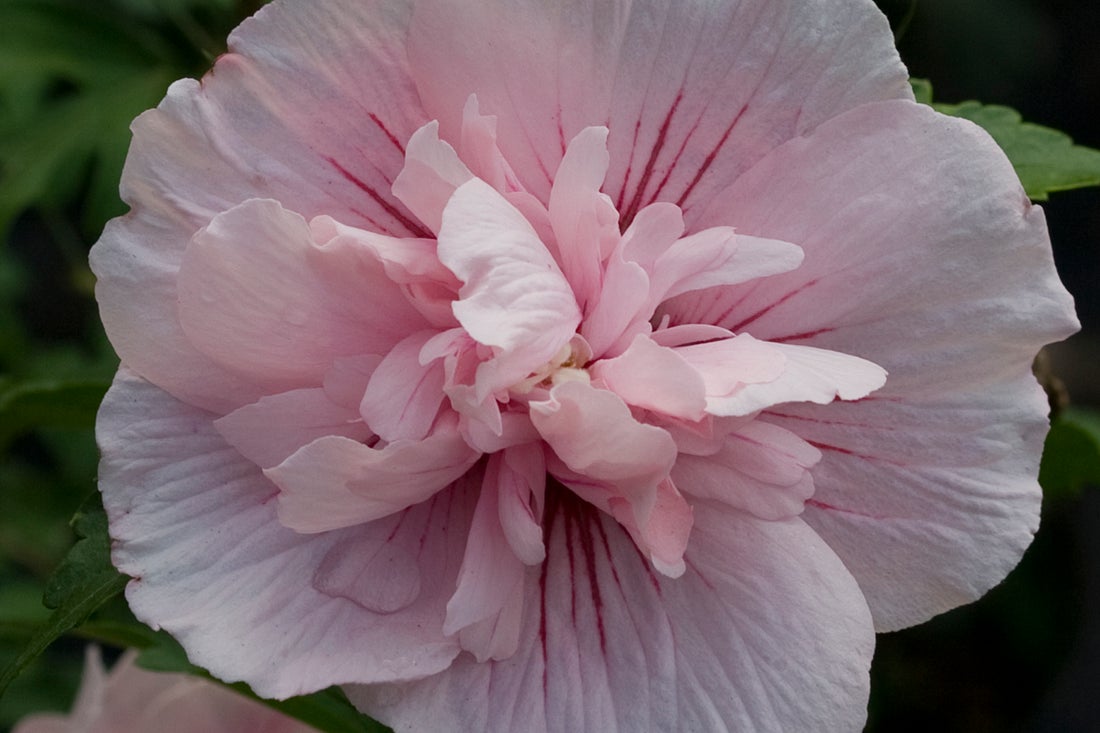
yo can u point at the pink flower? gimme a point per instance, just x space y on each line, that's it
133 700
522 365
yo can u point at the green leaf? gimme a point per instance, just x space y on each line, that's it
84 581
44 162
922 90
48 402
1071 457
329 711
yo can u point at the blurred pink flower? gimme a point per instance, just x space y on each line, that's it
132 700
485 357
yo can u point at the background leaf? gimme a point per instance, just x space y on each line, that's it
1071 458
1046 160
83 582
41 402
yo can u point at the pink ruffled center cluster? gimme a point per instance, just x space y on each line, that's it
525 340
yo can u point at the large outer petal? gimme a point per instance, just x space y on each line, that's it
194 524
766 631
923 255
693 92
311 107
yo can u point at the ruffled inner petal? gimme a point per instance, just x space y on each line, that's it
258 295
267 432
403 397
761 468
656 378
336 482
514 297
489 584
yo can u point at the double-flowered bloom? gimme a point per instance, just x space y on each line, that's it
568 366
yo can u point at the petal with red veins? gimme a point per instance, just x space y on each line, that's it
311 105
593 432
257 295
955 500
655 378
694 94
403 396
762 469
300 620
765 631
335 482
271 429
932 479
970 292
513 297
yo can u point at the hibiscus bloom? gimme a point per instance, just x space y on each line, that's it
568 366
132 700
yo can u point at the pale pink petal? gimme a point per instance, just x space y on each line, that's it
133 700
268 431
586 225
656 378
743 375
689 333
328 89
731 363
593 432
694 95
335 482
43 723
410 263
809 375
490 580
766 630
617 316
478 147
762 469
348 377
521 478
653 231
403 397
514 297
957 333
715 257
662 532
291 613
504 430
431 174
259 297
625 302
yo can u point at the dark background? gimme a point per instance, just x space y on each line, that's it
1024 658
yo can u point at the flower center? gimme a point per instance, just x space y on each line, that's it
568 365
